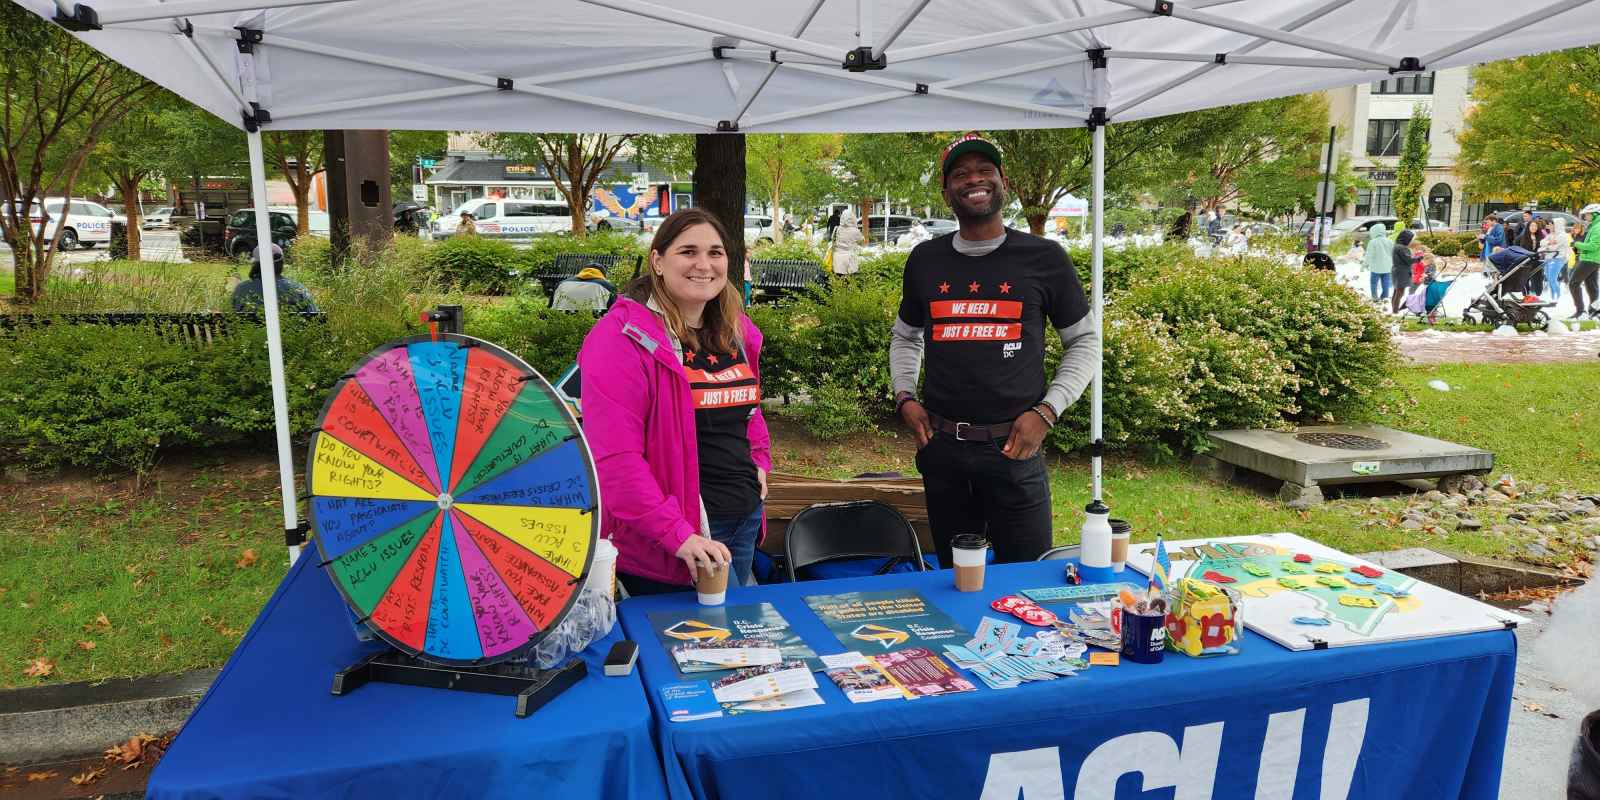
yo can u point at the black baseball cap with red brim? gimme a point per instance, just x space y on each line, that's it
970 143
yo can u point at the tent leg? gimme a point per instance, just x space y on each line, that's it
269 293
1098 209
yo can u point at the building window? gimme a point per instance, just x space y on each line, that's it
1439 202
1375 202
1405 84
1384 136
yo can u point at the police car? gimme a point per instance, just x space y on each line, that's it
84 223
510 219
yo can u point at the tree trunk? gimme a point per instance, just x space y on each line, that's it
22 259
866 219
128 187
302 199
1036 223
580 216
719 177
777 213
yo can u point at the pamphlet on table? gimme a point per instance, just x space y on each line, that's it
720 638
885 621
860 678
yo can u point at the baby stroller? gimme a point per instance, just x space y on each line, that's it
1426 298
1505 301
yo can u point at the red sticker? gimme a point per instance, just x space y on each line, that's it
1217 577
1367 571
1035 616
1302 558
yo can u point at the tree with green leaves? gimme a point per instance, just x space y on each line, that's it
1413 166
574 161
1533 131
131 151
1270 148
405 147
777 163
58 96
902 166
298 157
196 144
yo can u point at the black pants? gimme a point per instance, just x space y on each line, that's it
1584 276
972 487
1402 282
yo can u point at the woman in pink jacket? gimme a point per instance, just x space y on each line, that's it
672 412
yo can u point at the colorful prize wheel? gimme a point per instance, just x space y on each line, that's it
453 498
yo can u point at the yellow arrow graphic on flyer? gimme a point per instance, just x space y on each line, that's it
693 630
888 637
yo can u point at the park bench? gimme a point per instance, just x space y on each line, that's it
771 278
200 328
566 265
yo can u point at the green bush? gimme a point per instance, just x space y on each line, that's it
1450 244
542 251
548 340
1146 388
1124 266
475 264
834 412
793 247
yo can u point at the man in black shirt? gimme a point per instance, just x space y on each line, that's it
976 302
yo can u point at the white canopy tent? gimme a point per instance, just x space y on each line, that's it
759 66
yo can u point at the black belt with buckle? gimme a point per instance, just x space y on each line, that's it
968 431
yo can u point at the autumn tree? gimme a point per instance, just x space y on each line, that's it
298 157
574 161
1413 167
777 163
57 98
1533 130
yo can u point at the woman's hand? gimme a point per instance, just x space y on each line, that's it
761 475
703 553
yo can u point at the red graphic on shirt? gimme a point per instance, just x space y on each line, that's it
1005 288
978 332
724 398
996 309
737 372
973 287
944 288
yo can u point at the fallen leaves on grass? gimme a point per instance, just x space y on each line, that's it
40 777
247 560
140 750
88 776
86 645
40 668
101 622
1527 595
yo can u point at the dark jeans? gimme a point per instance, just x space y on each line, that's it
1402 282
738 533
972 487
1584 277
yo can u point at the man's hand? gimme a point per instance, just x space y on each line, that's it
916 418
1027 433
703 553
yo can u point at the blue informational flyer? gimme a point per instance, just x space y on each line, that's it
886 621
730 627
690 700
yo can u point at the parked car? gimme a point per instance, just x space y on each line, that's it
757 229
508 219
899 225
940 227
83 224
156 218
1547 216
239 233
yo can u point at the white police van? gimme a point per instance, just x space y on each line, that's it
86 223
510 219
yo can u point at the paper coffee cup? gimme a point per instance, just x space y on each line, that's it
712 586
603 570
1121 532
968 554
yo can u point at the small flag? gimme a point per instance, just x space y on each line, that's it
1163 565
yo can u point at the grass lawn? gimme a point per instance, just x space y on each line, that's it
180 567
125 285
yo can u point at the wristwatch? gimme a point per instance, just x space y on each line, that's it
901 398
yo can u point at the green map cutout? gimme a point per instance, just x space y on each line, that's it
366 572
534 424
1230 559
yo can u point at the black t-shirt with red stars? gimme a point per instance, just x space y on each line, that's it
725 393
982 320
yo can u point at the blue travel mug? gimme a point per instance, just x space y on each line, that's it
1144 637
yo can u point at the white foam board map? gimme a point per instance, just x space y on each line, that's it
1304 595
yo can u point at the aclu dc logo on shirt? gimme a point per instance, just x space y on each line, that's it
1010 349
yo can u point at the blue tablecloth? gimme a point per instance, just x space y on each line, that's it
269 727
1420 719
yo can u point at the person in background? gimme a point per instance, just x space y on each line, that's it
1419 254
587 290
1492 236
1400 271
1583 276
833 221
468 226
672 414
292 295
1378 260
1555 250
847 240
1214 227
1180 227
1528 238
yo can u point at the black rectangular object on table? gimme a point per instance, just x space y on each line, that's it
532 687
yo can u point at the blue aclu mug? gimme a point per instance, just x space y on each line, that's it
1144 637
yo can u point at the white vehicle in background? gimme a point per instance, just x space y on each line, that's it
508 219
156 218
83 224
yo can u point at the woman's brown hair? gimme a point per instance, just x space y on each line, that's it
720 330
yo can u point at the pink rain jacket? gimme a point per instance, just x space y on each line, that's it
638 417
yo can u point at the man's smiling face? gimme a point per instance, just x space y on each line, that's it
975 188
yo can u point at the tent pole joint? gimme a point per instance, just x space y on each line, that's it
298 535
922 88
187 28
1097 448
1220 58
255 117
1408 64
1097 118
504 84
1097 58
249 38
727 126
83 18
861 59
1163 8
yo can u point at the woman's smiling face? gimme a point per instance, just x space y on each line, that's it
694 268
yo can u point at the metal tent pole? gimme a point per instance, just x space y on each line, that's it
1098 209
269 293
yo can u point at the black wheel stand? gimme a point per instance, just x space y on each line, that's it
531 686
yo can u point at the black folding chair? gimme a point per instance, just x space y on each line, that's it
1062 553
860 529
